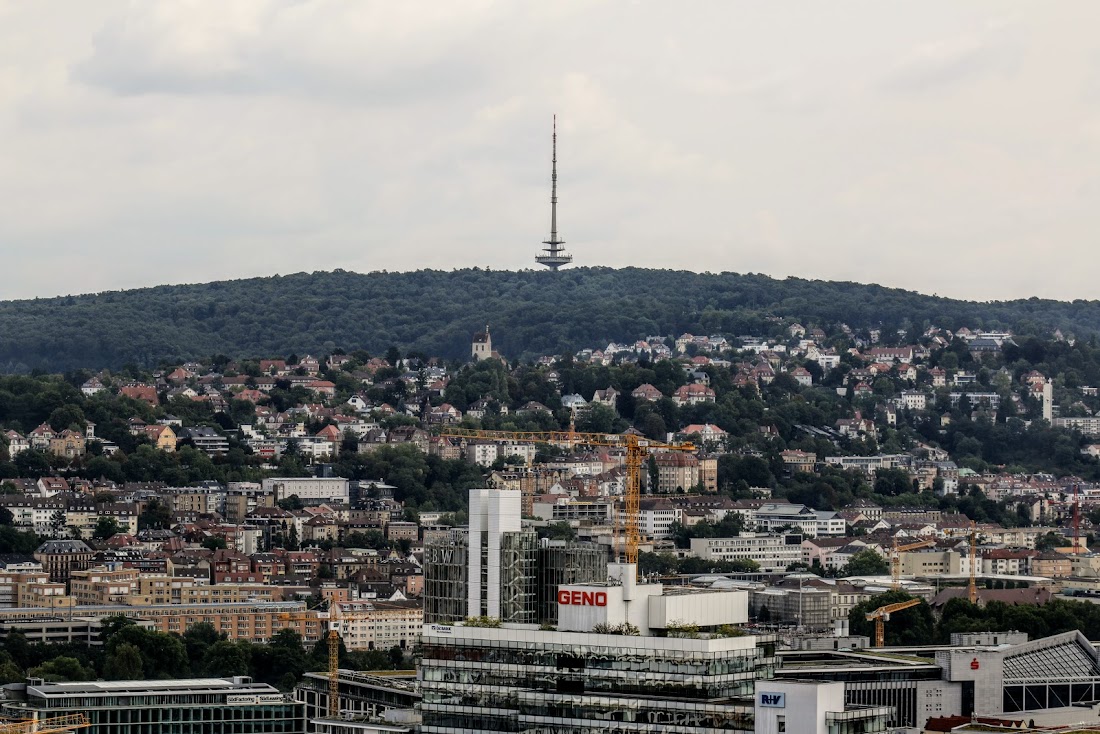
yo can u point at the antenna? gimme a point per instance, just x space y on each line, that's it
555 255
554 184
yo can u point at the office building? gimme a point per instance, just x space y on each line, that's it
561 563
625 657
361 694
806 706
310 490
59 558
773 553
498 570
494 519
1053 681
482 680
61 628
188 706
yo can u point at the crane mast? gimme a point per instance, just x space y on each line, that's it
335 614
895 559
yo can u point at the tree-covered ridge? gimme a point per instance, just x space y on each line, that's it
435 312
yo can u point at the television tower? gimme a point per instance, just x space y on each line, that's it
555 255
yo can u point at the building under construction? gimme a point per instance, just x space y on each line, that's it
495 569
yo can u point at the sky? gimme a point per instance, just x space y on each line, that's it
941 146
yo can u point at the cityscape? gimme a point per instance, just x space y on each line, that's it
633 486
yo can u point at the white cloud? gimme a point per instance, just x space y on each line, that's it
937 146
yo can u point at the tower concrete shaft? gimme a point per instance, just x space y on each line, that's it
555 255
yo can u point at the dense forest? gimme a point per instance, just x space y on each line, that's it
435 312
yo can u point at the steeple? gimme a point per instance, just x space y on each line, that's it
555 255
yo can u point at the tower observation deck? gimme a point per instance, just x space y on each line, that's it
554 255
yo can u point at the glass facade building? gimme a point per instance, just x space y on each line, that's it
189 706
530 573
562 563
528 680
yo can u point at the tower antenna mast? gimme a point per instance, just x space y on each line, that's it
555 255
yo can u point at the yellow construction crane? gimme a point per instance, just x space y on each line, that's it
52 725
895 558
882 615
972 585
335 615
637 448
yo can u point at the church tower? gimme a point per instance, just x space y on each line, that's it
482 347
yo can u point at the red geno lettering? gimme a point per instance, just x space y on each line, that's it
582 598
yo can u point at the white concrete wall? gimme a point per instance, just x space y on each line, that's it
803 706
705 610
492 512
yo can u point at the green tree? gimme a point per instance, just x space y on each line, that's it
163 655
62 669
123 663
913 626
1050 541
156 515
105 527
10 672
865 563
558 531
225 659
196 640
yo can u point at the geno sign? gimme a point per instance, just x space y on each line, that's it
583 598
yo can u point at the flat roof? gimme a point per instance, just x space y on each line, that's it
137 686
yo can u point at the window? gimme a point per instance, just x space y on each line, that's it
781 723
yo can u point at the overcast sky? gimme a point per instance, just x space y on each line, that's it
948 147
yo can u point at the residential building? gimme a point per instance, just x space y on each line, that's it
59 558
205 439
1088 426
68 444
255 621
379 625
162 437
676 472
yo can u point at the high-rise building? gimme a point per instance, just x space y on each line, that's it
494 514
496 569
556 255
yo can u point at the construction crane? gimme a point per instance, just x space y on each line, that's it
972 585
335 615
637 448
52 725
882 615
895 559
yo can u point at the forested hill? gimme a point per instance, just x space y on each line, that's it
436 312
